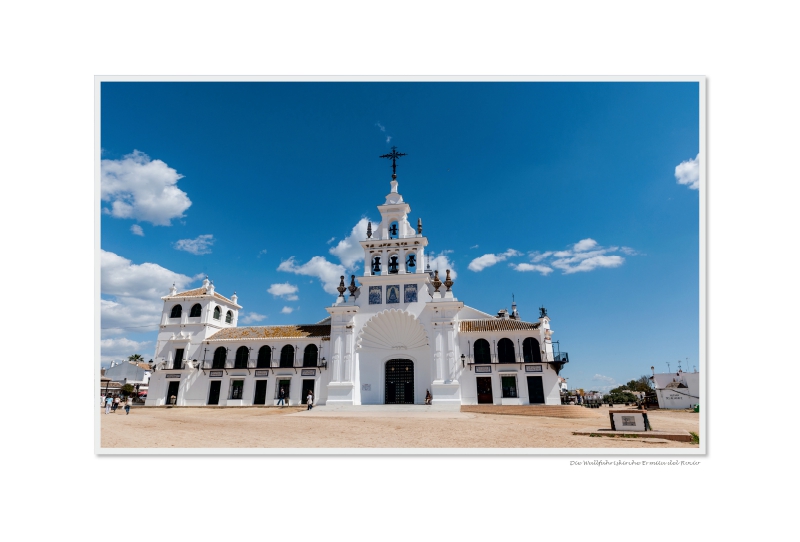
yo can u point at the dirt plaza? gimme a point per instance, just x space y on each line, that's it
415 426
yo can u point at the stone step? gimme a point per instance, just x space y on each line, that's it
552 411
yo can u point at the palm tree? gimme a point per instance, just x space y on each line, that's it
136 358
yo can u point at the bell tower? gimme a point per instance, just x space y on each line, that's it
393 246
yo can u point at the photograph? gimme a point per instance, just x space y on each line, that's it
400 265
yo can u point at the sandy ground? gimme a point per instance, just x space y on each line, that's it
294 427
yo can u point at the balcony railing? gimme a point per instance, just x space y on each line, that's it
253 364
556 358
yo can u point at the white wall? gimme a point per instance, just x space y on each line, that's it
677 398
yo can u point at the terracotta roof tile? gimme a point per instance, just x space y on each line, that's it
272 332
495 324
198 292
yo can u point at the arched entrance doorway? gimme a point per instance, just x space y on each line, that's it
399 384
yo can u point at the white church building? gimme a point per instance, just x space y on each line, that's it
394 334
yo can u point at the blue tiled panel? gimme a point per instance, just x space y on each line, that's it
410 292
375 295
393 293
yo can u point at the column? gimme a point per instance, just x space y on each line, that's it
336 361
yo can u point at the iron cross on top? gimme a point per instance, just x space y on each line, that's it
394 155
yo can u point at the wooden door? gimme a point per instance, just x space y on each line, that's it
213 392
485 390
173 390
399 382
535 390
261 393
308 385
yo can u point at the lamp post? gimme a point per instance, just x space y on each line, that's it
463 357
323 364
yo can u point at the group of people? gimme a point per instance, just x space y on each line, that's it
112 402
282 398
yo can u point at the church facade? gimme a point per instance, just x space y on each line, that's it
395 335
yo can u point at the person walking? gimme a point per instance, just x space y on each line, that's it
281 397
116 404
102 399
310 399
109 402
128 403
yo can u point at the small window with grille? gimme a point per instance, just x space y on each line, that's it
509 386
237 387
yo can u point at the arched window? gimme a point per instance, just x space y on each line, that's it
411 263
287 356
376 265
394 264
264 357
310 356
242 355
228 317
505 351
530 351
219 358
196 310
176 311
394 233
216 313
482 352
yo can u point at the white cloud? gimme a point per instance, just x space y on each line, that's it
381 126
348 250
487 260
543 269
331 240
608 382
539 256
262 252
585 255
328 273
388 139
121 347
198 246
442 263
688 172
252 317
137 230
584 245
284 290
587 264
142 189
287 310
136 292
474 246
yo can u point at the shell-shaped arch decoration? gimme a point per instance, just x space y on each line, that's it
392 329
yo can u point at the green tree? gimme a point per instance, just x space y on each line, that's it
136 358
127 390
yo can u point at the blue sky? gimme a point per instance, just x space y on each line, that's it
564 194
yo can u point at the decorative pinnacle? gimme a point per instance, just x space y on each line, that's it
369 230
352 286
447 281
341 287
394 155
436 282
419 226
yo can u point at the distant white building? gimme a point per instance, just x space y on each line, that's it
677 390
129 372
396 335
